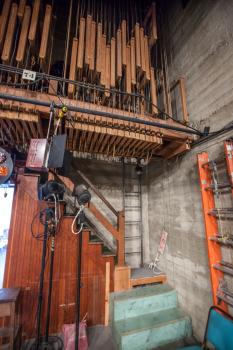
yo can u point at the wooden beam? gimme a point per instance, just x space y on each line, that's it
107 291
183 100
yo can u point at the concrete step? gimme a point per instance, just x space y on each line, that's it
152 330
142 300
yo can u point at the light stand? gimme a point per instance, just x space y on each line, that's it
83 196
48 217
50 189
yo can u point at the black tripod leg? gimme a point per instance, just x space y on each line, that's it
79 267
50 291
40 296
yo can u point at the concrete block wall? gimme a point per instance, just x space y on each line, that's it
200 48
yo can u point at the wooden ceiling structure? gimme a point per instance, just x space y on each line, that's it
110 63
87 132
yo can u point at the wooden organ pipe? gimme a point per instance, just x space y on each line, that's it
34 22
142 50
154 33
73 67
23 35
98 48
103 60
113 63
92 46
6 53
119 55
21 9
153 88
107 69
4 19
123 41
45 33
81 43
133 61
128 70
88 40
137 45
147 57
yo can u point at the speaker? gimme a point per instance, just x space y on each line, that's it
57 151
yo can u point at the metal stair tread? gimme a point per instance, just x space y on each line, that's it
149 321
142 292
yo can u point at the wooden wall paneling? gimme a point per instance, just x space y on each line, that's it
45 33
113 63
92 45
23 35
23 265
119 56
7 48
73 67
4 18
81 43
123 42
34 22
21 9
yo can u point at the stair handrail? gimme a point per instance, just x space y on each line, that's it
97 192
118 233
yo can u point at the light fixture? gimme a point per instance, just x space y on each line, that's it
82 194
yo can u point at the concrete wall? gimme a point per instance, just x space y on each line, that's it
107 176
200 48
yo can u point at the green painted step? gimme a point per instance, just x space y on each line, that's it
152 330
143 300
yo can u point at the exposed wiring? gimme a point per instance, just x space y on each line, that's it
74 221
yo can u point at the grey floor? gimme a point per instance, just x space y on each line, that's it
142 272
